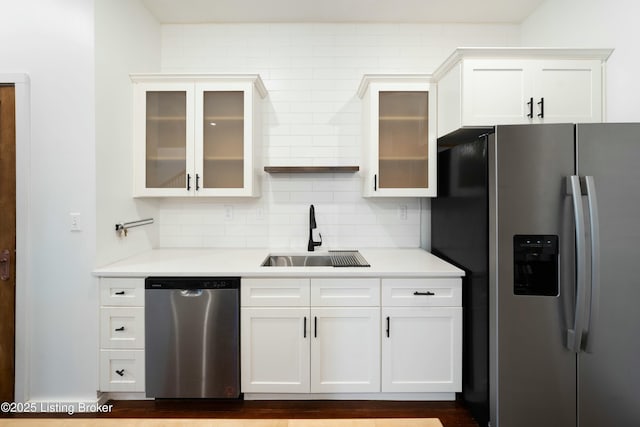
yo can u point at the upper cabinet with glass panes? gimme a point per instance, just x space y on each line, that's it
399 136
197 135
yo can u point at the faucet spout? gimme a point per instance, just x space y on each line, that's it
312 225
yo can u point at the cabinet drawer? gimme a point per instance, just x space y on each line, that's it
122 327
122 370
275 292
422 292
122 291
345 292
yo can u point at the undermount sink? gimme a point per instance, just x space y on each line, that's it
331 259
297 261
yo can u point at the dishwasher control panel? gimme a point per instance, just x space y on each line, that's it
192 283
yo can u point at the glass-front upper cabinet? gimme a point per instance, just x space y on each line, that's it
399 145
197 136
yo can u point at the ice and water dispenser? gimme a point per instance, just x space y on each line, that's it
535 265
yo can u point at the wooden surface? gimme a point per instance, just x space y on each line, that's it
102 422
7 238
450 414
311 169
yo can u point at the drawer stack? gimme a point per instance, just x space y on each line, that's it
122 334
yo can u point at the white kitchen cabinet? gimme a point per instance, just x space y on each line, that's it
197 135
422 335
274 334
485 87
345 349
298 337
275 349
121 361
399 136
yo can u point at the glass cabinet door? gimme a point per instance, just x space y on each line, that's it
403 139
223 140
166 139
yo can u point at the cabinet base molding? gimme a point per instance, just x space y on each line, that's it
105 397
350 396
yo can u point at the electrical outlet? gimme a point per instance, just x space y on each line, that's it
75 221
228 212
402 212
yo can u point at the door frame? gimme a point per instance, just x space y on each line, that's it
22 86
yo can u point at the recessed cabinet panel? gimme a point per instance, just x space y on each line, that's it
122 370
223 139
403 139
275 349
422 349
345 350
166 139
398 136
486 104
571 90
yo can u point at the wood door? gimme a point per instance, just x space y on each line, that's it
7 240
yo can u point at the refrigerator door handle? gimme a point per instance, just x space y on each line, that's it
595 263
574 335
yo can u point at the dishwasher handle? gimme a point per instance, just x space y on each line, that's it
191 293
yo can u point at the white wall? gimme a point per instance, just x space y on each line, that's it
52 41
127 40
312 116
596 23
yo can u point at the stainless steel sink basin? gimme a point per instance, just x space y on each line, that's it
331 259
297 261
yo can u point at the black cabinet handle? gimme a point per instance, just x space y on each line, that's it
188 182
541 104
120 329
315 327
530 104
428 293
197 182
304 335
375 182
120 372
120 293
388 326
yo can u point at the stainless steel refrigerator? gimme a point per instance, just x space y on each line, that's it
545 220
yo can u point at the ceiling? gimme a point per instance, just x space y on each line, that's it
378 11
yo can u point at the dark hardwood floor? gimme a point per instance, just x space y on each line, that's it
451 414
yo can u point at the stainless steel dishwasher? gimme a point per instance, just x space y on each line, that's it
192 345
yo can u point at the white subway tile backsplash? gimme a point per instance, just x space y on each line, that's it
311 116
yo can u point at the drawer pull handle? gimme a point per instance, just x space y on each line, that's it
388 326
120 329
120 293
304 335
120 372
428 293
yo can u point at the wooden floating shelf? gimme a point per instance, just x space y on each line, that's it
311 169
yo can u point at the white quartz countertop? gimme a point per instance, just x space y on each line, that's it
246 262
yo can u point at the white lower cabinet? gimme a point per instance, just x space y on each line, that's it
275 349
393 337
327 348
121 362
422 349
422 335
345 350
